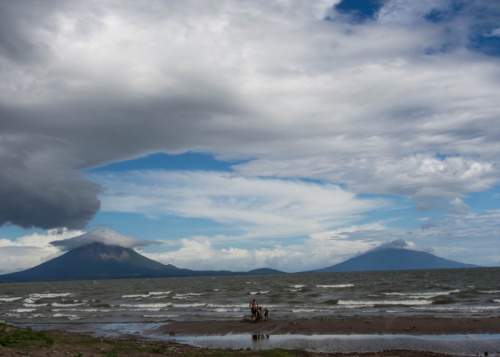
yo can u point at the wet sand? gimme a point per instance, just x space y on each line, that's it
15 342
368 325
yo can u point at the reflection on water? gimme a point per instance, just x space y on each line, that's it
464 344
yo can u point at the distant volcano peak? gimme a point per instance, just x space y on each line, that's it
103 236
396 244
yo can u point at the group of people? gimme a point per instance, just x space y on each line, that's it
258 313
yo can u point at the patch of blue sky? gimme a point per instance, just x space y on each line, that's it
442 14
359 10
166 227
10 231
172 162
484 201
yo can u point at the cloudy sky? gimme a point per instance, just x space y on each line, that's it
241 134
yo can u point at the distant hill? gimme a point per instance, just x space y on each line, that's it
265 271
395 257
102 261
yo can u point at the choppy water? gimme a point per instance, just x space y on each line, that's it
472 292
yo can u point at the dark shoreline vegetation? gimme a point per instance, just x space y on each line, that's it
16 341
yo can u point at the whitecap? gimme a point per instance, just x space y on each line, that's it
423 295
373 303
478 308
9 298
335 286
186 296
262 292
226 307
38 296
189 305
33 305
239 306
21 310
81 310
56 304
133 296
489 291
157 293
147 306
68 316
296 311
497 301
35 316
297 286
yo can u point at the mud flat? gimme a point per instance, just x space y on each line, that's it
356 325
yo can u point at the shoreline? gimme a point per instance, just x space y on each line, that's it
352 325
16 341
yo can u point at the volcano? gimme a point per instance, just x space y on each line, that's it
100 261
395 256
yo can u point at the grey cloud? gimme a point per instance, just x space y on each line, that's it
103 236
93 82
39 188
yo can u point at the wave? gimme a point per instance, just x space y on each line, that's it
296 311
159 293
186 296
228 305
38 296
134 296
149 294
33 305
335 286
496 300
84 310
423 295
262 292
222 310
489 291
455 308
9 298
297 286
56 304
189 305
21 310
147 306
68 316
375 303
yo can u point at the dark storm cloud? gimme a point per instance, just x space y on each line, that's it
39 188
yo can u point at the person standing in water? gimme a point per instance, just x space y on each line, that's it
253 308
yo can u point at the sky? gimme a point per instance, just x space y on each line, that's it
245 134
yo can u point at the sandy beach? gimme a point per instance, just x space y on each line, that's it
359 325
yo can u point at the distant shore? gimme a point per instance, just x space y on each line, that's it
361 325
